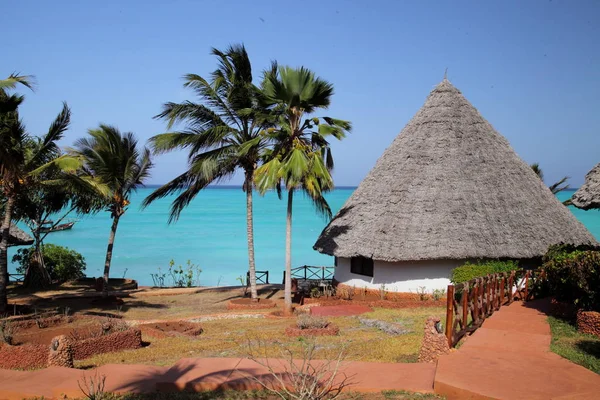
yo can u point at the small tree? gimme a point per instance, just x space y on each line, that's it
117 167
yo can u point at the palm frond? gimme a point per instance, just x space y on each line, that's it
15 79
195 115
538 171
560 185
48 148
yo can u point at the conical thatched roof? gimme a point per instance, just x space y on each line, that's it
588 196
18 237
450 187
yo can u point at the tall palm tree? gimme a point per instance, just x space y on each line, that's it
222 134
301 158
556 187
22 157
118 167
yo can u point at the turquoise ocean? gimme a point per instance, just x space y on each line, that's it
211 233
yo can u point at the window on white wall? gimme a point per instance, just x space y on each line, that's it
361 266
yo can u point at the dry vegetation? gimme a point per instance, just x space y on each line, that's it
224 337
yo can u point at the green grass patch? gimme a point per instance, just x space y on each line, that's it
580 348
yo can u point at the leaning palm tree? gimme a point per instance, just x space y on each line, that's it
556 187
301 158
20 164
222 134
118 167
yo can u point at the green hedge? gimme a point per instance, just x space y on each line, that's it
573 274
469 270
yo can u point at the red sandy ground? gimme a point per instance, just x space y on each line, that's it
32 334
169 328
339 311
508 358
201 374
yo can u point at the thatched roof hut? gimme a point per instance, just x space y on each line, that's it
450 187
588 195
18 238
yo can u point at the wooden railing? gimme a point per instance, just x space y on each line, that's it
262 277
16 277
468 304
310 273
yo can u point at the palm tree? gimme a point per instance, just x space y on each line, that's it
301 158
56 194
22 158
222 134
556 187
112 159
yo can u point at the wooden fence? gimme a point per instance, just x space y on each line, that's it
468 304
262 277
18 278
310 273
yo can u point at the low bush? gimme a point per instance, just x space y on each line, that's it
573 275
307 321
6 332
62 263
469 270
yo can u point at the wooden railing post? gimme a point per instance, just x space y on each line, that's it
489 294
502 279
450 315
482 297
526 285
465 305
476 302
510 287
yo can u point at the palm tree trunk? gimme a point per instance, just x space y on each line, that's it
4 253
250 233
36 274
288 254
109 250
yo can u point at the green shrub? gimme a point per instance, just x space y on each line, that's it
62 263
563 250
469 270
573 274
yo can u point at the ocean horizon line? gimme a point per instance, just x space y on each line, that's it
157 185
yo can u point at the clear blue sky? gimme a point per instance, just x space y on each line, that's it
531 67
